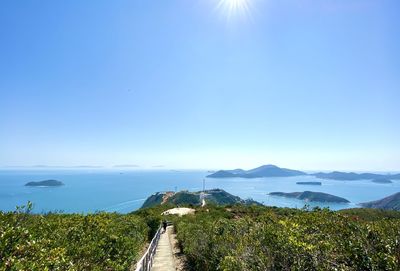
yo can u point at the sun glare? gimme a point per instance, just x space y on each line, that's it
234 8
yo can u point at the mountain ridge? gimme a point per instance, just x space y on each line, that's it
258 172
275 171
352 176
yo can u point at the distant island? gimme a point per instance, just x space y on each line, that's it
389 203
309 183
48 183
311 196
275 171
382 181
213 196
260 172
351 176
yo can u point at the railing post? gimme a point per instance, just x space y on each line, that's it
146 262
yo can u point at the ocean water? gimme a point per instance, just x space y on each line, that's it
88 191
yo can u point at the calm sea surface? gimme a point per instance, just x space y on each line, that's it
124 191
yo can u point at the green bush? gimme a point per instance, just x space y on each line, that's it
231 238
262 238
102 241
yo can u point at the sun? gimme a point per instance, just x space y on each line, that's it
234 8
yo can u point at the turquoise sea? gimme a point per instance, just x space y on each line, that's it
124 191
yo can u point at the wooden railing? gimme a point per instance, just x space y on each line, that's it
146 261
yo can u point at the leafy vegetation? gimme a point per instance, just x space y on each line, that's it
263 238
369 214
238 237
102 241
184 197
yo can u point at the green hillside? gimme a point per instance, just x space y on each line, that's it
101 241
212 196
229 237
264 238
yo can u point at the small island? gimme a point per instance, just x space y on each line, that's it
46 183
311 196
382 181
309 183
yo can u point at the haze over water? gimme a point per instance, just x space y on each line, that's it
124 191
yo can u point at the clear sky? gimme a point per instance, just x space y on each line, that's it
305 84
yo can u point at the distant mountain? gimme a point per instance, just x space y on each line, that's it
260 172
274 171
238 171
45 183
351 176
215 196
223 174
389 203
311 196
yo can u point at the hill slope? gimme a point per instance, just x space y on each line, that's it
214 196
391 202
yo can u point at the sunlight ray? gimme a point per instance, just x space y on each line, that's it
235 8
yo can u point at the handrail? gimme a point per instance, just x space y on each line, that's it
146 261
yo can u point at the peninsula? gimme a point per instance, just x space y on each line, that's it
213 196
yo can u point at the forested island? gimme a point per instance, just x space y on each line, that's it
384 181
311 196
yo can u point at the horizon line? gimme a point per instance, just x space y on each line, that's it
163 167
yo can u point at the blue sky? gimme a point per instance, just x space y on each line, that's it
306 84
